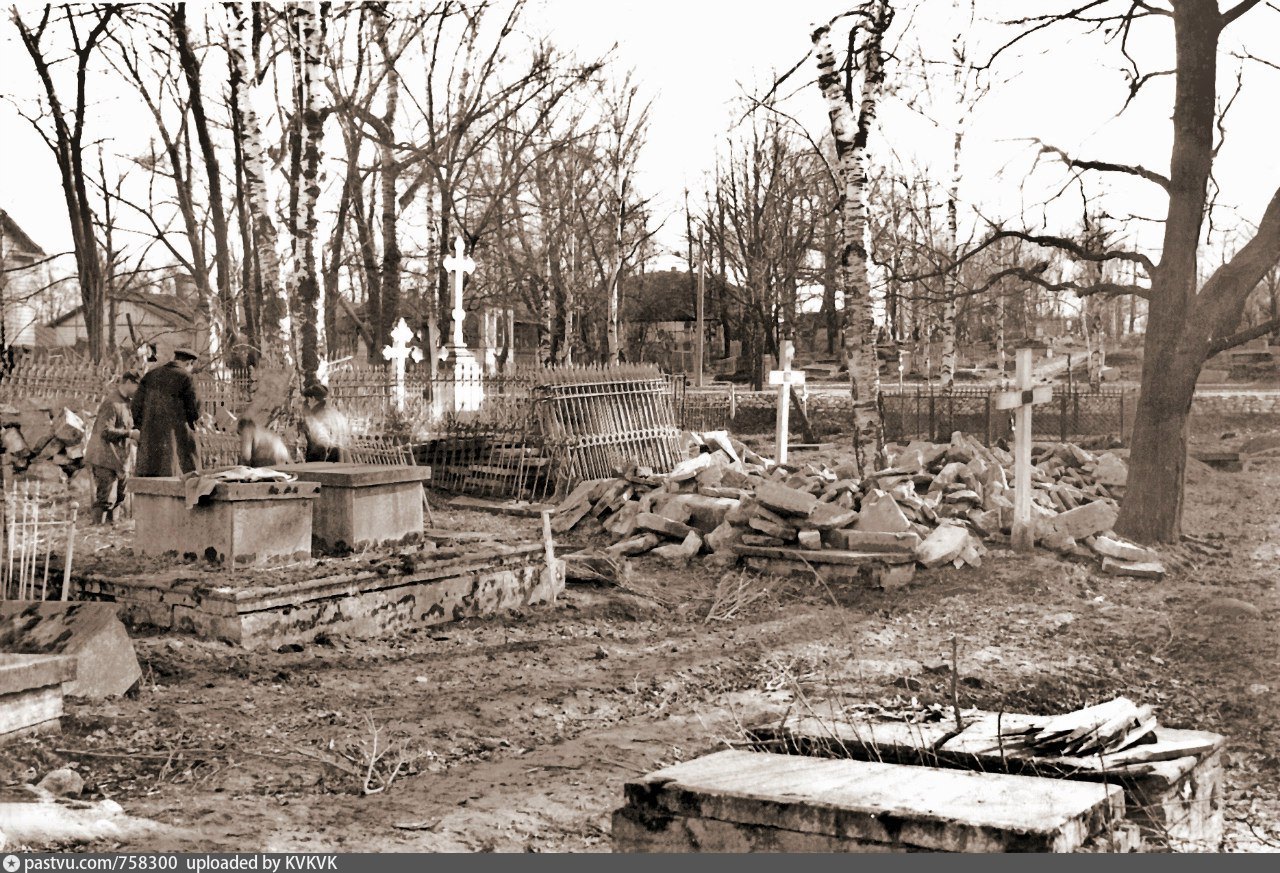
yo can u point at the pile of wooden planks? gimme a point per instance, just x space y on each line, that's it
1102 729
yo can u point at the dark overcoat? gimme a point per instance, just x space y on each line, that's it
165 411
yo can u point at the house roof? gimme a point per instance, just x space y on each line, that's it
10 229
165 307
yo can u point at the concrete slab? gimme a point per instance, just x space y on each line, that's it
889 806
31 692
362 505
241 524
90 632
350 597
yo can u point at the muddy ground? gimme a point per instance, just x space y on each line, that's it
516 734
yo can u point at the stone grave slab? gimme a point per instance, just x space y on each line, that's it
242 523
363 505
90 632
355 596
758 801
1174 796
31 692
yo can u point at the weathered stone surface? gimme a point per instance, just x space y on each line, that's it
636 545
690 467
31 692
942 546
785 500
881 513
91 633
362 505
723 537
874 541
1087 520
1122 551
658 524
62 783
810 539
893 806
771 528
1110 470
1140 570
830 516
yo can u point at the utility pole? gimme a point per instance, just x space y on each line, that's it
701 338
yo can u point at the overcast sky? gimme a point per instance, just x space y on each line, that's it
692 57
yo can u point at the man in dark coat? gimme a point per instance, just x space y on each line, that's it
165 411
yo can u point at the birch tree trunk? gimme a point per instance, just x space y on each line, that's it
1000 353
389 174
277 321
305 278
851 132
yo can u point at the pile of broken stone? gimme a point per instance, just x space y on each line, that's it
934 503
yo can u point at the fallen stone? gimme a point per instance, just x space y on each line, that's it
707 513
1057 541
651 521
810 539
90 632
881 513
830 516
1110 470
1231 607
771 528
943 546
682 552
723 537
623 522
1084 521
690 467
748 539
873 541
637 545
1122 551
1140 570
62 782
785 500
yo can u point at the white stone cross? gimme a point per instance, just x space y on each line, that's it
784 379
398 353
1024 396
458 264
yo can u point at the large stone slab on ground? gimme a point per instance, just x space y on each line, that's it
239 524
785 500
1083 521
874 541
362 505
92 633
350 597
31 692
844 805
944 545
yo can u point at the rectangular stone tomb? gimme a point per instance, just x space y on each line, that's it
1173 787
354 597
361 505
31 692
740 801
239 524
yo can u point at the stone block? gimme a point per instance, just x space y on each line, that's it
830 516
1121 550
362 505
1136 569
810 539
785 500
239 524
873 541
31 692
880 513
832 804
1083 521
91 633
944 545
723 537
651 521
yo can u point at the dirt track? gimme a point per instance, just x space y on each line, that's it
517 734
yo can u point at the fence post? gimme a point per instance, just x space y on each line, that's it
1062 418
987 402
733 403
1120 432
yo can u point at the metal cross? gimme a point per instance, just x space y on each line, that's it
459 265
398 353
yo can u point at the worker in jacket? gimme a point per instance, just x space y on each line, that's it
166 411
108 451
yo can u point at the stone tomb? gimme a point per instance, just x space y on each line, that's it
361 505
741 801
357 596
31 692
238 524
1173 787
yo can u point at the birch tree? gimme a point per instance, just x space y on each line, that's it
851 129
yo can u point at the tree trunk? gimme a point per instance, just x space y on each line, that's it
277 321
851 134
389 174
306 279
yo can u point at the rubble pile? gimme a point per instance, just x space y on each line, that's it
934 505
40 438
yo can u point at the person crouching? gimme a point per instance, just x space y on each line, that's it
324 428
260 447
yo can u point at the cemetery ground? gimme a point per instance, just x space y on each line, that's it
517 733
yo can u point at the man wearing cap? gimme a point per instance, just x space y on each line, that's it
166 411
108 452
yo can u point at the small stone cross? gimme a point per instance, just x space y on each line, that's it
398 353
459 265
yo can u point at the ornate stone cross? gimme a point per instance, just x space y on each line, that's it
458 264
398 353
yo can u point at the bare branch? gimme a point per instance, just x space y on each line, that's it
1103 166
1244 336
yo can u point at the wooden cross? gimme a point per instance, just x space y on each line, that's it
458 264
784 379
398 353
1024 396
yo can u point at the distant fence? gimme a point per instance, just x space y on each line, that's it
922 412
